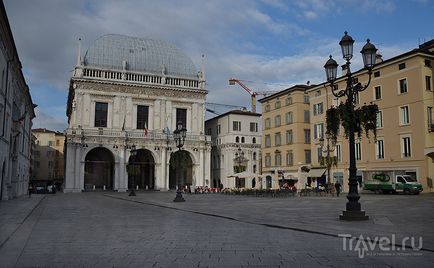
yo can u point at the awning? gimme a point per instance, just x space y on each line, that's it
316 172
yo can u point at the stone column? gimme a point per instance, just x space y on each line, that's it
207 165
123 176
70 168
79 181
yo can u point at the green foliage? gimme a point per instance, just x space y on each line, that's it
329 161
333 122
362 118
238 169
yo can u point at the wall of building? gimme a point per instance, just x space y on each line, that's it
16 114
418 99
226 143
293 101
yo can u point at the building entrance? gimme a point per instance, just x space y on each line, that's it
99 169
181 169
143 169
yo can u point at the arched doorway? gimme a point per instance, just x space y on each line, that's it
268 182
181 169
144 165
99 169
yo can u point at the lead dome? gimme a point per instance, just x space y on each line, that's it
141 55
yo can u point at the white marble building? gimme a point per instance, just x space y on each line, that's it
233 134
129 91
16 114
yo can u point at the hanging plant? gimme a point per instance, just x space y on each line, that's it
329 161
347 117
332 122
358 119
369 119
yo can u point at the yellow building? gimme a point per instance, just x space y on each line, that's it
402 88
285 135
48 160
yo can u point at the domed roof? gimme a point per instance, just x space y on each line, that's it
143 55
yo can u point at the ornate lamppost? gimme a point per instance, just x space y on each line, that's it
353 87
328 161
239 160
179 135
132 168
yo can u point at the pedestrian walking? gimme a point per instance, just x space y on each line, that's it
30 189
338 188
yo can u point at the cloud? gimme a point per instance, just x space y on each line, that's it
315 9
266 41
43 120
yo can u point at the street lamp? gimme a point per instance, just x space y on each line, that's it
353 87
133 153
239 159
179 135
328 150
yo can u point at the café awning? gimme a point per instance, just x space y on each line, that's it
316 172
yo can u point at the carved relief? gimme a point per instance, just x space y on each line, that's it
148 91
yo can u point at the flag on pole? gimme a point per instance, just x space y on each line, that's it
146 129
123 124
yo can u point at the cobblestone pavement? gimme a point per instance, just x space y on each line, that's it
149 230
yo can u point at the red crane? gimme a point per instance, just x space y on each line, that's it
252 93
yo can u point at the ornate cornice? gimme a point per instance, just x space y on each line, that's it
132 88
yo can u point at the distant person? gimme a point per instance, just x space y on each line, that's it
30 189
338 188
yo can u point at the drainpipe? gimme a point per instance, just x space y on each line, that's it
4 117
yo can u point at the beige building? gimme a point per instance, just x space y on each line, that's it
402 88
286 136
48 160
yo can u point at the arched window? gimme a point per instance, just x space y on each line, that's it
254 155
242 140
237 139
254 140
254 168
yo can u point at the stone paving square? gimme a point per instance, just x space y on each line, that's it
107 229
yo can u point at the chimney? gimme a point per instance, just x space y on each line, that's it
378 58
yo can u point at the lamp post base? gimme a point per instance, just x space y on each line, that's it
348 215
179 197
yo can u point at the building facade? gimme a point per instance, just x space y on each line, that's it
286 136
402 88
236 148
130 93
48 156
16 114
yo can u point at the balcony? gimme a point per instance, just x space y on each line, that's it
131 134
140 78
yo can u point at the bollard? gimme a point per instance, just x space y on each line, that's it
137 187
94 187
146 187
103 187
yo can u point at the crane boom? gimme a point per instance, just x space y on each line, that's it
252 93
210 107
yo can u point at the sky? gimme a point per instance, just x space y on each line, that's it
269 44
